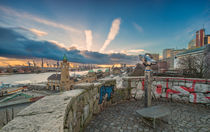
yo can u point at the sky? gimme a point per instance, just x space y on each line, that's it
98 31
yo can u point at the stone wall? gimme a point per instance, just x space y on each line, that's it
192 90
64 112
70 111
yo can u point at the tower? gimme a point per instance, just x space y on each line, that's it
64 82
200 38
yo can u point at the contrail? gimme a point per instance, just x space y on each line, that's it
112 33
89 38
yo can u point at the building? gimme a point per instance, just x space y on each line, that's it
91 76
192 52
207 40
106 72
162 66
200 38
169 56
155 56
167 53
192 44
116 71
138 71
61 82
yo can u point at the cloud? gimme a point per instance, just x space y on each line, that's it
89 39
133 51
12 12
112 33
38 32
139 28
57 43
13 44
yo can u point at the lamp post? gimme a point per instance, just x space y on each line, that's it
148 62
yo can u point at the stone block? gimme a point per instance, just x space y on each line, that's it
86 86
198 98
125 84
163 95
175 97
202 88
133 84
182 91
185 99
139 94
175 83
189 84
86 111
139 85
182 83
156 95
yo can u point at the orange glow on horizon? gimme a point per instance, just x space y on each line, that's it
115 65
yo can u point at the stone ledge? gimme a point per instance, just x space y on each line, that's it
45 115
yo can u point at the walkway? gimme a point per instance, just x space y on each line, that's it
123 118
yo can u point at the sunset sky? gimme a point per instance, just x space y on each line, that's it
98 31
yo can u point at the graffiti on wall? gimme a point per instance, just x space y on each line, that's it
106 90
193 90
187 90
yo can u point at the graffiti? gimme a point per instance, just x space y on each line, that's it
181 89
106 90
159 89
196 90
143 84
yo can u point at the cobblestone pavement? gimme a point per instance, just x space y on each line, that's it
123 118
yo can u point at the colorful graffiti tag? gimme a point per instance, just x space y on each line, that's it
106 90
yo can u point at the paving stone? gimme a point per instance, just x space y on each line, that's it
123 118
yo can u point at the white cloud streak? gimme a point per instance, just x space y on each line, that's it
57 43
114 30
139 28
13 12
38 32
133 51
89 39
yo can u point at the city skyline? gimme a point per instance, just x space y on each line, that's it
98 31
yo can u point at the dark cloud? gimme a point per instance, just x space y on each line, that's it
16 45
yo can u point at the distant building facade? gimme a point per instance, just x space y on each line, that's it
167 53
192 52
169 56
200 38
192 44
155 56
116 71
207 40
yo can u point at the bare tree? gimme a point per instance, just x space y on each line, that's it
192 65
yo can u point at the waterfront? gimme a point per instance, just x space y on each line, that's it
15 79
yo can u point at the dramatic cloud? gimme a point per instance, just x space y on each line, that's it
57 43
89 39
38 32
112 33
13 44
139 28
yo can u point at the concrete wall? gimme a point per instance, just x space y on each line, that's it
71 111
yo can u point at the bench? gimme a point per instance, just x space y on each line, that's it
153 113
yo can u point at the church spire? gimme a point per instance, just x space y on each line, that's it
64 58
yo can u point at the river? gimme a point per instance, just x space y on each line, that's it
15 79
